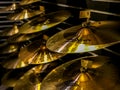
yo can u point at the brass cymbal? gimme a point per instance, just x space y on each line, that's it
25 14
13 75
17 38
45 22
8 33
34 53
26 2
79 74
79 38
9 8
30 81
8 49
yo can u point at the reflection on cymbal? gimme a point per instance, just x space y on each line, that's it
8 33
26 2
13 75
9 8
8 49
79 75
47 21
79 39
25 14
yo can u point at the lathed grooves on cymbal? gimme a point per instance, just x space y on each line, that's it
7 33
9 8
73 76
79 39
25 14
26 2
45 22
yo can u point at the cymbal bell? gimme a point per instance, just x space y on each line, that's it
9 8
25 14
45 22
26 2
80 39
7 33
79 75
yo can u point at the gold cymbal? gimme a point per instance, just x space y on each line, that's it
79 38
21 38
25 14
13 75
11 32
30 81
79 75
26 2
45 22
8 49
34 53
9 8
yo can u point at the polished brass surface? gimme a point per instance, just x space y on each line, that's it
84 38
45 22
74 75
8 49
8 33
9 8
26 2
25 14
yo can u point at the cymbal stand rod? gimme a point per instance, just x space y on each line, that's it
112 51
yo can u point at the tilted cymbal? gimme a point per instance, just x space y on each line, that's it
8 33
26 2
45 22
34 53
25 14
31 80
9 49
18 38
84 38
13 75
9 8
80 74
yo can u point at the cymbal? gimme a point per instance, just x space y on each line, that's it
45 22
8 33
80 39
30 81
13 75
25 14
79 74
9 8
26 2
9 49
18 38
